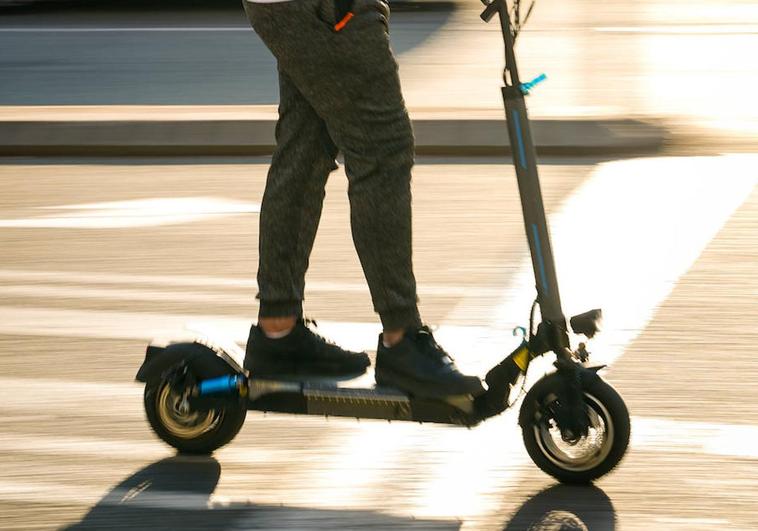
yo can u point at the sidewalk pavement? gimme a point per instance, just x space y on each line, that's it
627 77
249 130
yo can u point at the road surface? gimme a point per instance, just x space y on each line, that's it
101 255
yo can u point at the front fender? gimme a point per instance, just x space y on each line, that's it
204 361
551 383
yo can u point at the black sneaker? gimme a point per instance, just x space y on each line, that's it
302 352
420 367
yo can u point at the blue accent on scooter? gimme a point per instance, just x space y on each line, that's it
540 260
519 139
529 85
221 385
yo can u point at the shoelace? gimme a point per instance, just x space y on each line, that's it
425 337
311 325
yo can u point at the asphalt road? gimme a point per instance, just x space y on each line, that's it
100 255
679 60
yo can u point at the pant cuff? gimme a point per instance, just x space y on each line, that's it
280 309
400 318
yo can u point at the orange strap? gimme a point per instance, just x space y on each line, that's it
342 23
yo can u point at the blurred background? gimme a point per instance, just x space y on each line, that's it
135 138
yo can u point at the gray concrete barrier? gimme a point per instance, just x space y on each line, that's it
250 131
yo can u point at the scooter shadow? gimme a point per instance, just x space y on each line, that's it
567 508
175 493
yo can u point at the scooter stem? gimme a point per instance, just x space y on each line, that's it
525 162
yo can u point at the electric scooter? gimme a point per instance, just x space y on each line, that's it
575 426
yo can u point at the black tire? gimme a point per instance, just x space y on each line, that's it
607 442
202 433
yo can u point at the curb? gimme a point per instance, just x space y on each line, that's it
228 130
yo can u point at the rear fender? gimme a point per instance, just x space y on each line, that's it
204 359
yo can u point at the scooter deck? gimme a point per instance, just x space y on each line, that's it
354 397
333 398
330 399
357 397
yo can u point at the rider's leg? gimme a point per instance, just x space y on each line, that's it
351 80
290 213
291 207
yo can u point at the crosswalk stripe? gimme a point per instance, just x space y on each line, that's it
668 435
123 294
597 237
247 297
372 447
650 434
27 492
134 213
107 448
145 326
86 279
624 239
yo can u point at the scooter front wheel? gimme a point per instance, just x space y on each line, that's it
190 431
576 460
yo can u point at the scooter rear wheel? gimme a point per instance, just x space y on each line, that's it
579 460
190 431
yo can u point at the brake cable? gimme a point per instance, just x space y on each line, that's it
516 22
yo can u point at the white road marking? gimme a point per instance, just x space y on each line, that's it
696 523
89 447
145 326
649 434
86 279
635 229
470 470
46 395
28 492
108 325
366 448
667 435
123 294
149 449
621 242
683 29
624 239
77 495
134 213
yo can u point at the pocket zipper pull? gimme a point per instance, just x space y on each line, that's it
342 23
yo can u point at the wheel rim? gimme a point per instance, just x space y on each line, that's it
179 419
560 520
586 452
